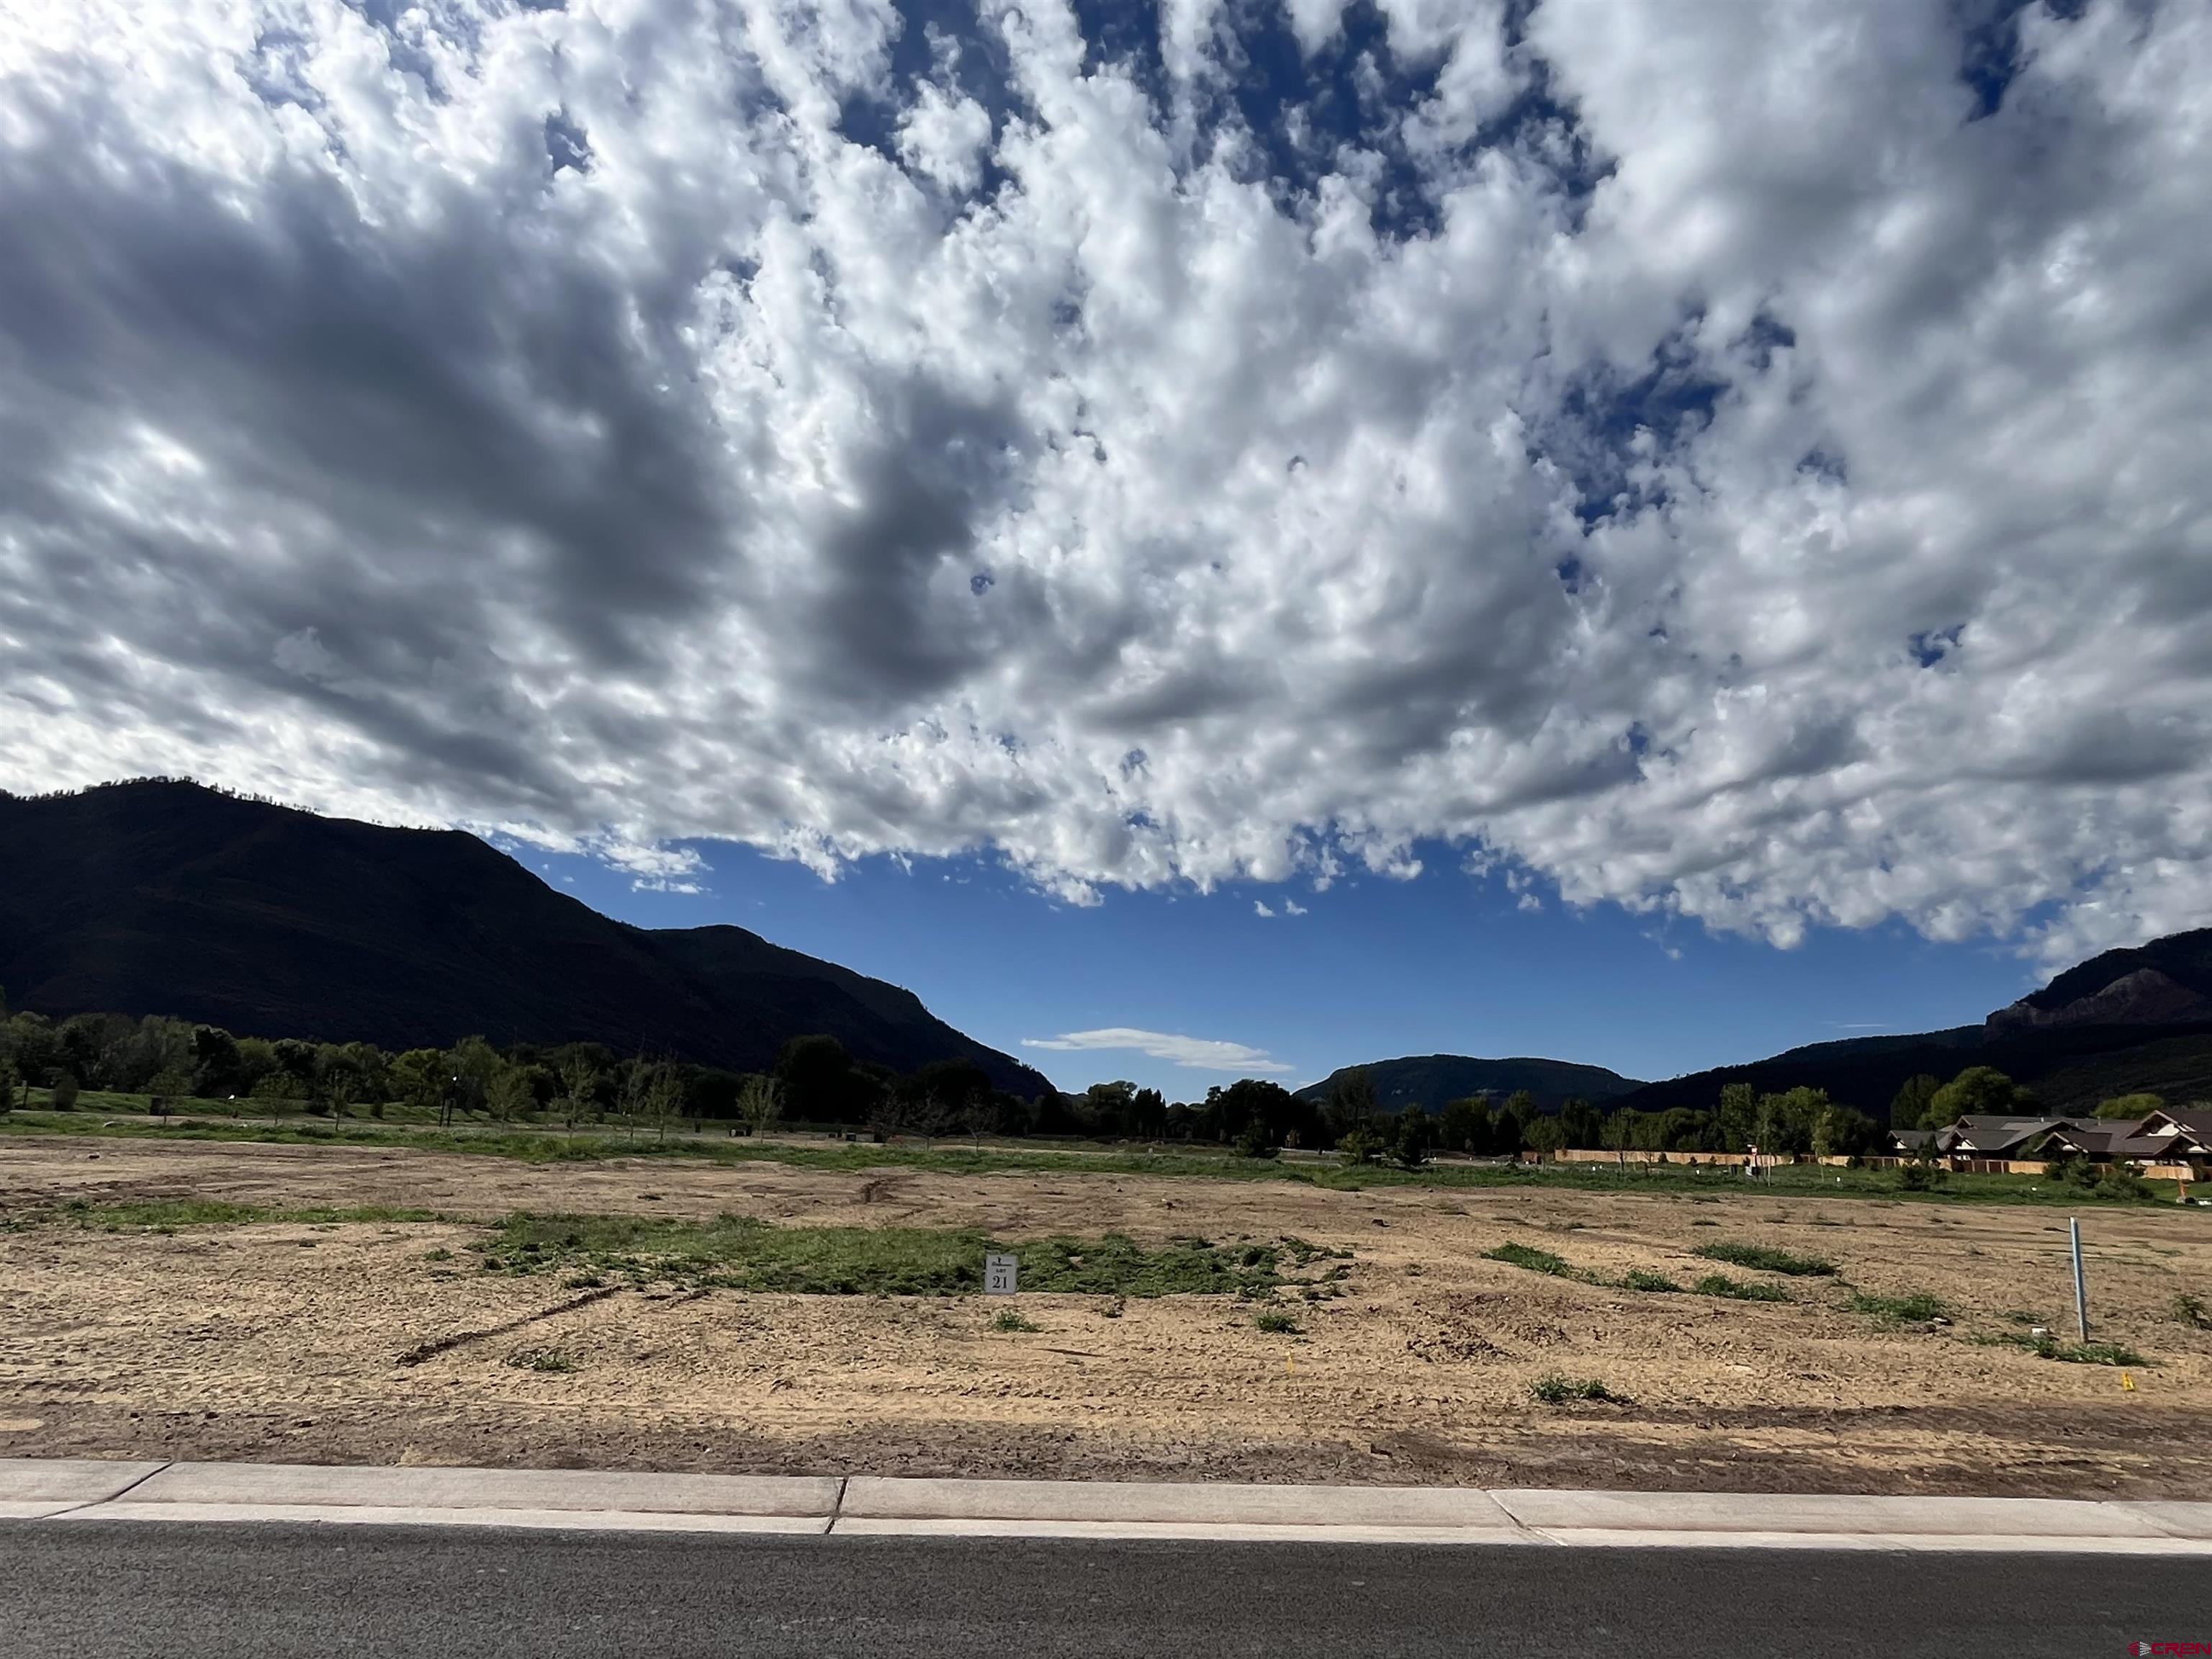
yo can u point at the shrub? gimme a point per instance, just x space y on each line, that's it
1918 1307
1008 1319
65 1091
1738 1290
2084 1353
1360 1146
1255 1142
1639 1280
1536 1262
1918 1177
1556 1390
1275 1322
2190 1310
2119 1182
1764 1258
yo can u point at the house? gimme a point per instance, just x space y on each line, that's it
2002 1137
1909 1143
2183 1136
2176 1134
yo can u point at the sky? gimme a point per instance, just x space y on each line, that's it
1639 532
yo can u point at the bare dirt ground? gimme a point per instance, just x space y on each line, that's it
283 1341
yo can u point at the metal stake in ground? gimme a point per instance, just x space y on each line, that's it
2080 1290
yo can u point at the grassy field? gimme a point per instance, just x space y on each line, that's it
126 1116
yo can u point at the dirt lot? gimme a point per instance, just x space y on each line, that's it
283 1341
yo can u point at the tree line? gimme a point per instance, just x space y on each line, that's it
814 1080
817 1081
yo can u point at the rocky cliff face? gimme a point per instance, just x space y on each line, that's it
2145 997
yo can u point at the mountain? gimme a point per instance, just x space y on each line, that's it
1432 1080
2128 1020
2167 981
159 897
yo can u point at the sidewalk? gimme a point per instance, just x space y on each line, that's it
66 1491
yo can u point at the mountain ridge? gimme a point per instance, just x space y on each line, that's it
1431 1081
163 896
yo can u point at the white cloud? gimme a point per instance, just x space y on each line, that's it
1763 484
1260 907
1293 907
1199 1054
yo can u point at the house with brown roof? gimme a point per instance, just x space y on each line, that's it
2175 1134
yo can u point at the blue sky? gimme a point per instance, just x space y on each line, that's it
1736 462
1445 962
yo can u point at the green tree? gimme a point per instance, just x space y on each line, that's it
1352 1105
664 1097
1508 1128
510 1097
1583 1125
1254 1142
580 1087
1109 1106
420 1077
1908 1107
760 1103
2131 1106
1738 1113
1465 1126
65 1092
1786 1121
820 1082
1977 1091
473 1065
1844 1132
1541 1134
8 1086
1410 1144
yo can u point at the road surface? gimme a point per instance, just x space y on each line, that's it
185 1591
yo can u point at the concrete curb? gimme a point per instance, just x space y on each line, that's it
68 1492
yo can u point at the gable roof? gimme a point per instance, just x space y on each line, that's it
2193 1121
1990 1135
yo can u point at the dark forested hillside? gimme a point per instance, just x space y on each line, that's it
166 897
1431 1080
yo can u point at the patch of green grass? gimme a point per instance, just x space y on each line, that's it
1275 1322
1637 1279
2190 1310
2072 1354
1738 1290
1557 1390
541 1359
1008 1319
1535 1260
438 1252
743 1253
1917 1308
168 1214
1764 1258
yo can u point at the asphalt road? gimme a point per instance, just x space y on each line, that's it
243 1592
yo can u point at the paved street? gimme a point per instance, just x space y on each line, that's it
166 1591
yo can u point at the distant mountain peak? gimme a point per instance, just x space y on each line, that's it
2167 981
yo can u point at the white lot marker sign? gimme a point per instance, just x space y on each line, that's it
1002 1275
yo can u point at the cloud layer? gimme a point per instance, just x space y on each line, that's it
1199 1054
1744 460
